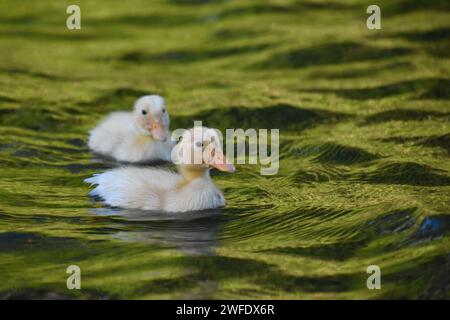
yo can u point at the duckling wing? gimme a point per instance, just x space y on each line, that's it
131 187
200 194
110 132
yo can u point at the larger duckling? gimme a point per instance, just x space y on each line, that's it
138 136
190 189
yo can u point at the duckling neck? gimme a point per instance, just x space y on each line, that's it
190 174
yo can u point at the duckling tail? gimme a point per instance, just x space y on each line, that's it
92 180
94 193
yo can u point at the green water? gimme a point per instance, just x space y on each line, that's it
364 173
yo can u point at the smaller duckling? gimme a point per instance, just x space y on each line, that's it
138 136
191 189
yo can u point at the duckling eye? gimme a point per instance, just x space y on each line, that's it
198 144
144 112
163 110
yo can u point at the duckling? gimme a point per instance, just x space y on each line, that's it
190 189
138 136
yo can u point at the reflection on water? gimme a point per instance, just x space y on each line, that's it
189 232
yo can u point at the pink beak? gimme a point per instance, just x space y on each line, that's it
220 162
158 131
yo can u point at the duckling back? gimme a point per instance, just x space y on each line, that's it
131 187
155 189
110 133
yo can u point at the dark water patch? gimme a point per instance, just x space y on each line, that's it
26 153
435 42
69 150
7 146
406 173
215 269
30 152
96 221
6 111
80 167
117 99
396 221
393 222
400 139
435 141
438 49
329 283
190 55
427 279
109 161
54 294
380 224
438 283
190 232
337 251
39 35
76 142
20 20
441 141
196 2
256 9
145 20
427 36
29 158
334 153
19 150
349 73
70 179
218 85
34 118
330 53
405 115
436 89
36 74
293 8
73 110
11 241
6 99
235 33
426 88
408 6
433 227
23 200
283 116
207 269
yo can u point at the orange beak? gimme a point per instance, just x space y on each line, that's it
220 162
158 131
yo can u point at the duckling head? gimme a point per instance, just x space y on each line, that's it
198 150
151 117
